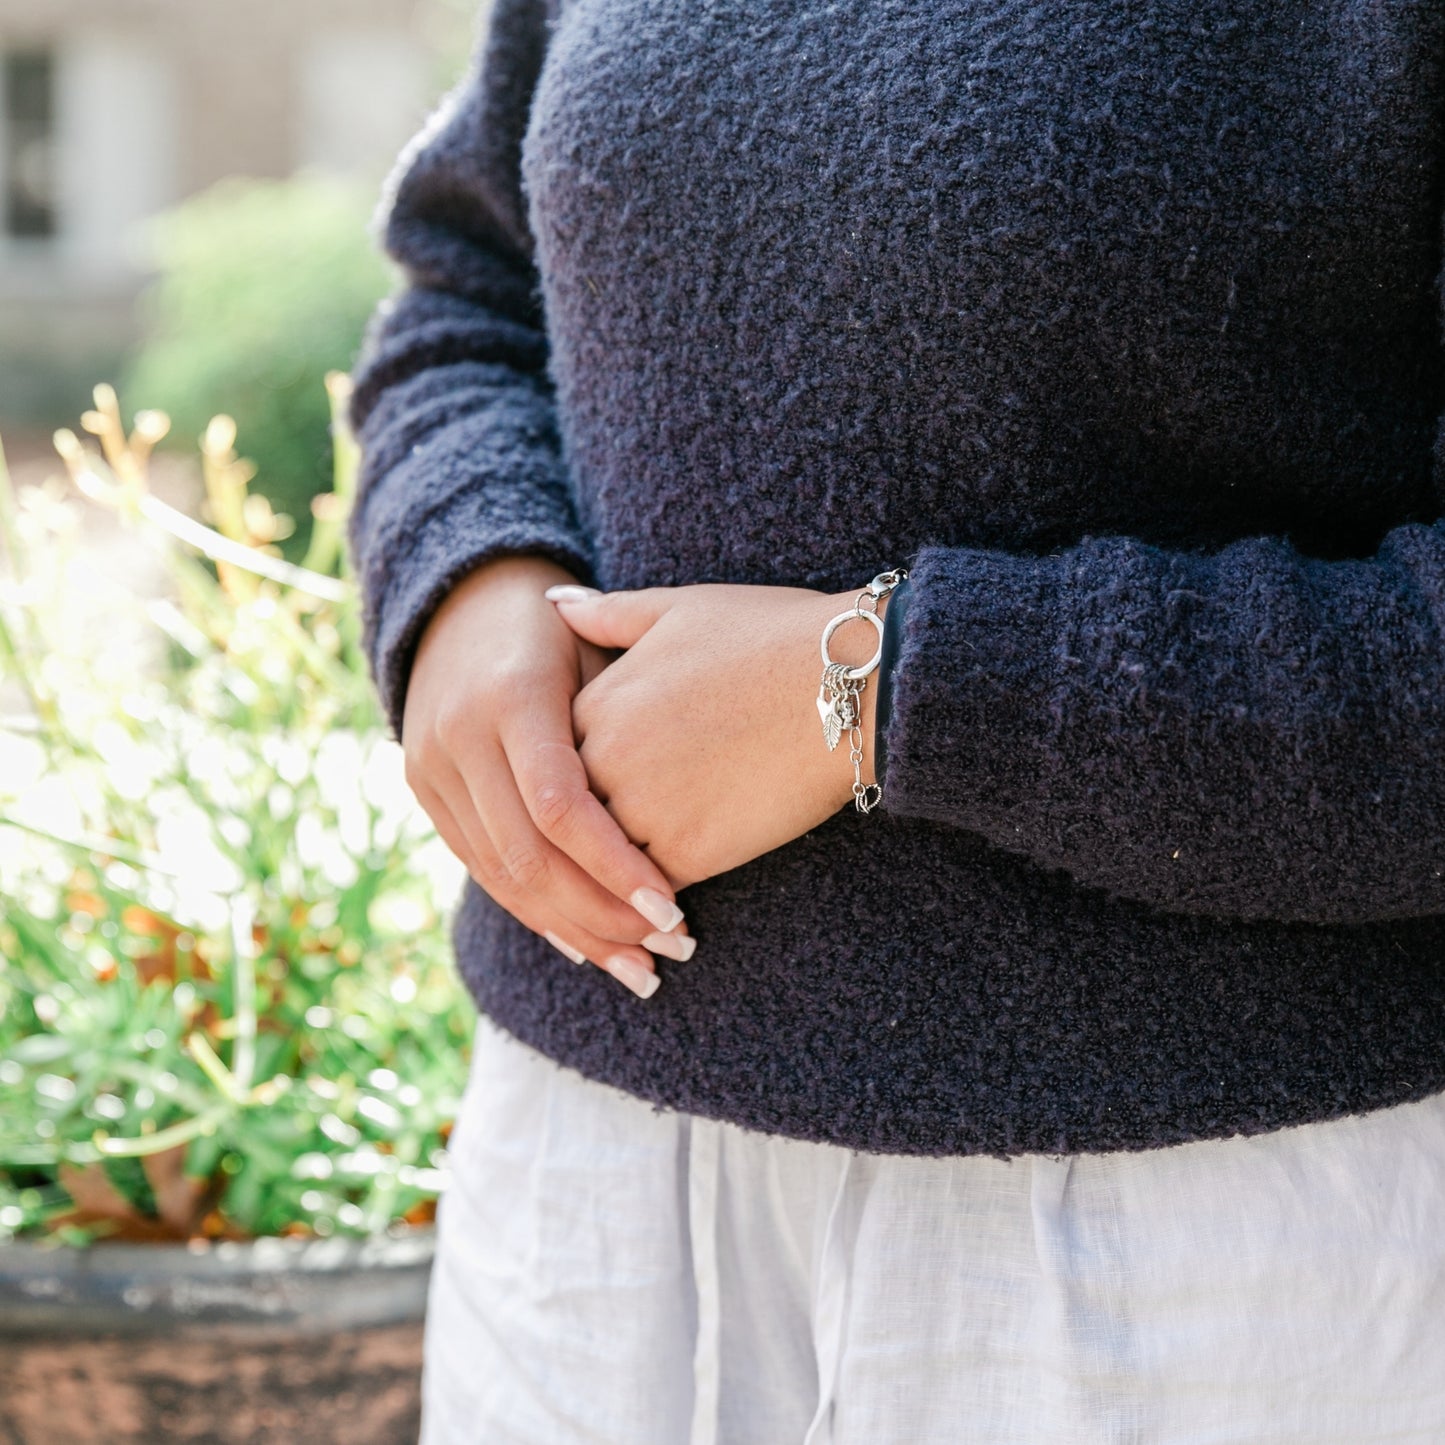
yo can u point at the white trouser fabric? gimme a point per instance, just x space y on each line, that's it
610 1274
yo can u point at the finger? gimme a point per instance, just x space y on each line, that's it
611 619
632 966
459 798
444 821
629 964
554 788
536 865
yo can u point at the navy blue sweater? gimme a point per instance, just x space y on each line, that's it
1120 324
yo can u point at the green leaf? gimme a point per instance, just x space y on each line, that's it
39 1049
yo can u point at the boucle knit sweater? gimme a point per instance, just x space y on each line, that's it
1120 324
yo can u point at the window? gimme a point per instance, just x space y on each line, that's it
28 164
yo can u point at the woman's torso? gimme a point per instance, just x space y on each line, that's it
825 281
828 281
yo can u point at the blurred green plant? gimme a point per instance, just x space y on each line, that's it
262 286
227 1006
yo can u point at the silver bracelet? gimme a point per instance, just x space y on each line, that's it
840 692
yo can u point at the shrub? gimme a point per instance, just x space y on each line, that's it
227 1005
262 287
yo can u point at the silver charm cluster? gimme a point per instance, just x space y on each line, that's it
837 703
840 692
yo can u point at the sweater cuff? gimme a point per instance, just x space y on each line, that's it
892 640
971 715
473 528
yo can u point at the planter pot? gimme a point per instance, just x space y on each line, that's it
273 1340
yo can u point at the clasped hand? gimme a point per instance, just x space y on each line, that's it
588 758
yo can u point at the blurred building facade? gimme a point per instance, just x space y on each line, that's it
111 110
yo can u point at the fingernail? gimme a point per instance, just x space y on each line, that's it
642 981
660 911
563 947
672 945
565 592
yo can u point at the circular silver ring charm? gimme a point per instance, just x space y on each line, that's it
854 673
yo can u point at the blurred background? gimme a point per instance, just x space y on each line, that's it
183 191
232 1042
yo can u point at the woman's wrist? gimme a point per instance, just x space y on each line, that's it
524 573
853 644
528 570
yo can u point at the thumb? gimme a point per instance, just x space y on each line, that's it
610 619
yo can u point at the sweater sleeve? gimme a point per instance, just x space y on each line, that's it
453 405
1251 733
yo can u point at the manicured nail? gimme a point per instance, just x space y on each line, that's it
566 592
642 981
660 911
671 945
563 947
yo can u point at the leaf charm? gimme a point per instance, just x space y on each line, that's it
832 725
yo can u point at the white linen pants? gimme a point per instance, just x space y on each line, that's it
608 1274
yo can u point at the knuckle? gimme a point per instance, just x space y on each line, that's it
495 877
511 682
452 724
527 865
420 751
506 680
555 807
521 673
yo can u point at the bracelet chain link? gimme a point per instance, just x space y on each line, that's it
839 699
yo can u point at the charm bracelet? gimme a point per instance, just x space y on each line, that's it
840 691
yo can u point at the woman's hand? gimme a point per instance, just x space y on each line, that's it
490 754
703 738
